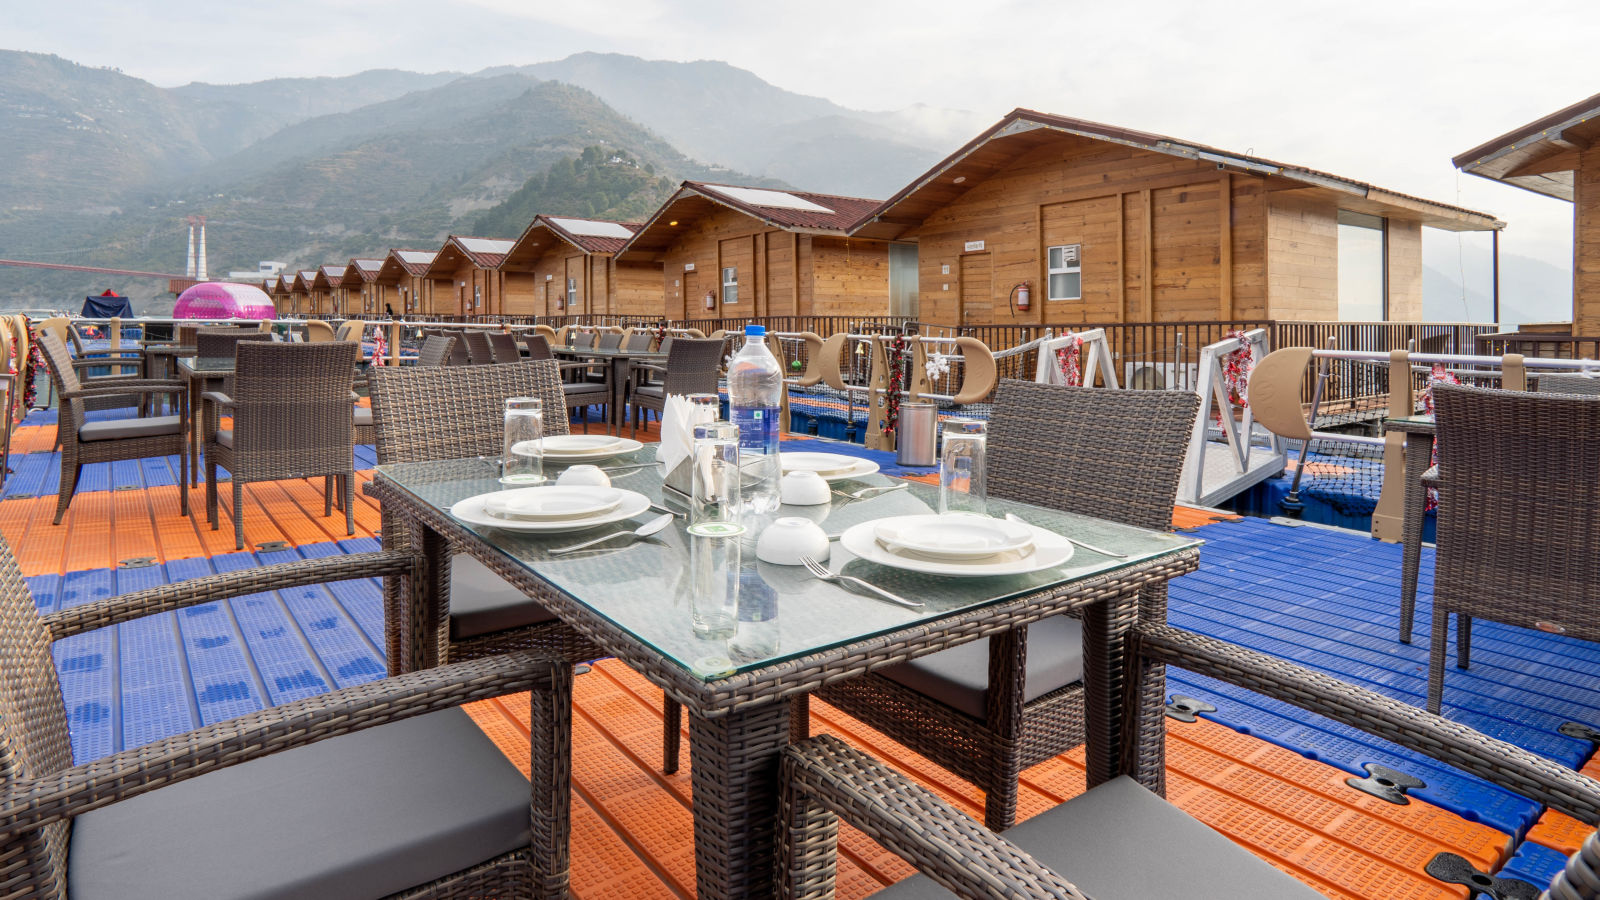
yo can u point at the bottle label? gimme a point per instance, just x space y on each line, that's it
758 428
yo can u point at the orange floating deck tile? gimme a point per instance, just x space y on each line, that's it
1559 831
33 439
1194 517
633 834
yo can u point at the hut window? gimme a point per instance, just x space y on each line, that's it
730 284
572 293
1066 272
1363 267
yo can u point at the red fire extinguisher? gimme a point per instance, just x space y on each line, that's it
1019 292
711 300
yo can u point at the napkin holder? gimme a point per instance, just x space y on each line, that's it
678 484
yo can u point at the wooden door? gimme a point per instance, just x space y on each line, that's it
976 303
692 305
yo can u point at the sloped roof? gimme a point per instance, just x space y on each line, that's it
1541 156
587 235
362 268
1024 130
329 276
484 253
402 262
302 281
804 212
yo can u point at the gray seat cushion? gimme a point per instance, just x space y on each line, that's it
363 815
1121 842
118 429
363 416
585 389
225 437
649 390
482 602
959 677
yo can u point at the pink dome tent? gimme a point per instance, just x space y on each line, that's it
223 300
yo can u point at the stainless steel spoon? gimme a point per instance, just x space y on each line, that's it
645 530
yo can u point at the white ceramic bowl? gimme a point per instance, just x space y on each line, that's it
584 475
789 538
804 489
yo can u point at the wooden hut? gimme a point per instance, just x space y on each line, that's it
402 280
329 285
1558 156
1106 224
363 293
300 296
466 278
726 250
564 266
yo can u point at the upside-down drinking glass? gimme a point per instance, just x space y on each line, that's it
961 475
522 462
714 530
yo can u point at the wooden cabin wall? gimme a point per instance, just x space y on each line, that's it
850 277
1303 256
635 287
703 243
1163 239
1586 244
520 294
453 295
1405 270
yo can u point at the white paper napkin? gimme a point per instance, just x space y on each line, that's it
677 432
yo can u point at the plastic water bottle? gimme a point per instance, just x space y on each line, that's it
755 387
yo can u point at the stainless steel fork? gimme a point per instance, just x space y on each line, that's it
850 581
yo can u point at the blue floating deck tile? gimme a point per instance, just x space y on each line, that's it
1343 747
1534 863
78 588
157 699
225 680
366 456
46 591
87 669
287 667
347 653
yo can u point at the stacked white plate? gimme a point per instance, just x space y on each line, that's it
551 508
831 466
957 544
569 448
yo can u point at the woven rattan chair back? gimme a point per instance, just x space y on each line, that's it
638 340
538 345
59 362
292 413
692 366
220 343
1568 384
666 344
479 353
452 412
611 340
1519 509
504 346
1109 454
33 732
186 335
435 350
582 340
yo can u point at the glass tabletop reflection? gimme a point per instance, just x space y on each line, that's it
642 586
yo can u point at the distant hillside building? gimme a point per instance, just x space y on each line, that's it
328 288
1558 156
726 250
1106 224
301 297
563 265
403 281
466 278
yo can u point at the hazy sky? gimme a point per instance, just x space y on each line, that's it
1385 91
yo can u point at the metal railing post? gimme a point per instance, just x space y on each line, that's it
1389 515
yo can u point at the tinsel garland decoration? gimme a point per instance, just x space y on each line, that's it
897 380
1236 368
1070 359
1437 375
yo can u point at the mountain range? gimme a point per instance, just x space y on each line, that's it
102 169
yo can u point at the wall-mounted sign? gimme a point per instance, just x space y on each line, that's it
688 267
974 246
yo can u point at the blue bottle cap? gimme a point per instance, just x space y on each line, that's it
755 331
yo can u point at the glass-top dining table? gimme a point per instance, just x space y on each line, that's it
795 633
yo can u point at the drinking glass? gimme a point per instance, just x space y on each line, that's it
961 475
523 460
714 530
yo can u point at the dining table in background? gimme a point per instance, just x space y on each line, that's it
745 694
1419 431
620 360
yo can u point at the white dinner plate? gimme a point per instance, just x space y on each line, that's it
953 536
471 511
559 449
552 502
853 468
1049 550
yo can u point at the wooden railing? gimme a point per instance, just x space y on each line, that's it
1538 344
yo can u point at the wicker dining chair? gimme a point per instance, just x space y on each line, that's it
1568 384
988 710
479 352
220 343
383 789
1518 526
451 413
458 350
638 339
580 393
692 368
436 350
1120 840
609 340
83 442
291 419
504 347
